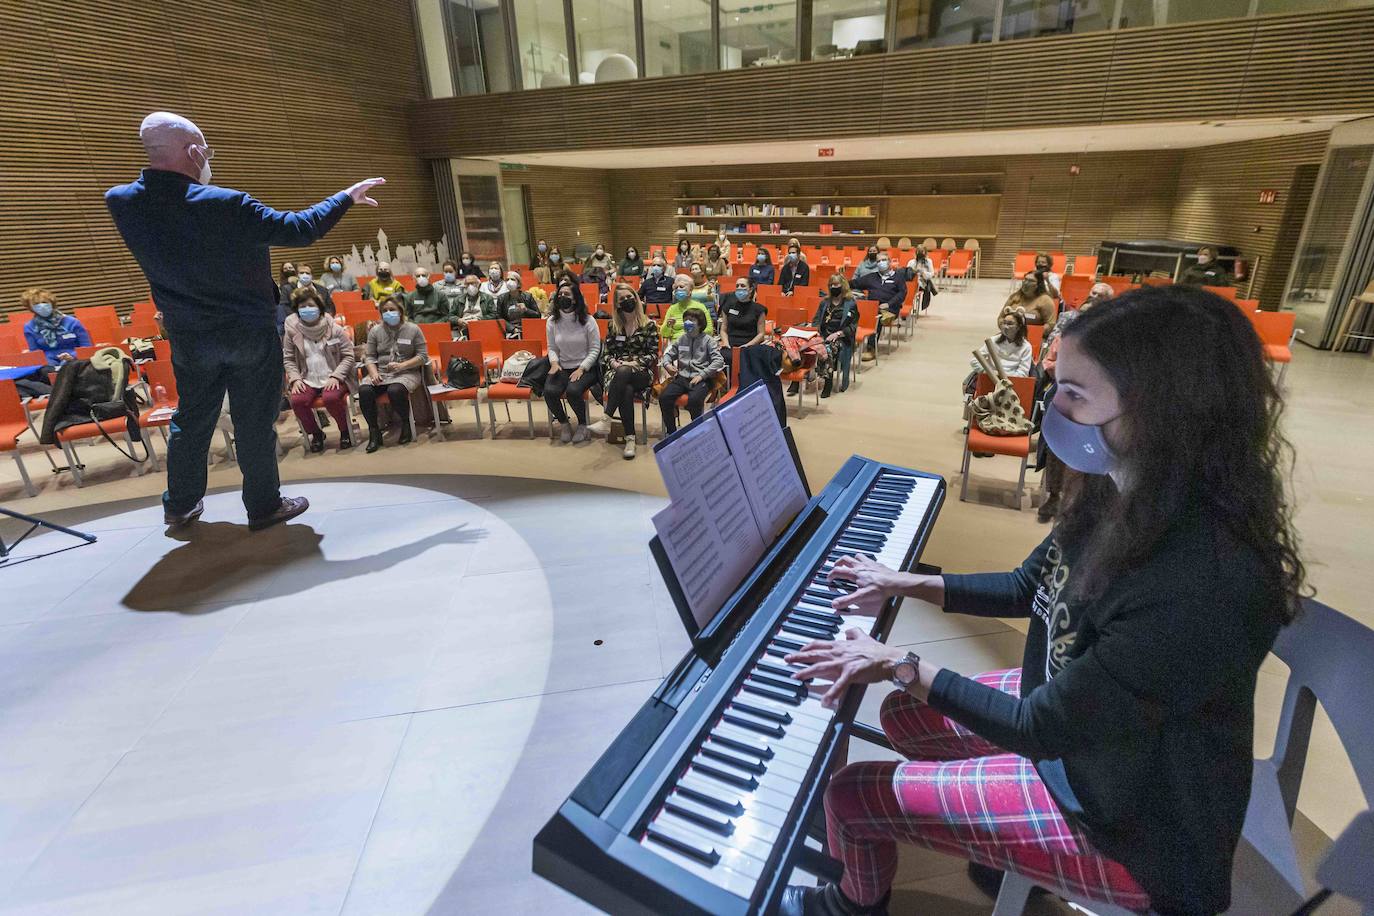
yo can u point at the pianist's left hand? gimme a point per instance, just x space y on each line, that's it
856 659
876 583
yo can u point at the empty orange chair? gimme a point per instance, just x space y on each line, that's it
407 282
1074 289
158 373
535 331
101 313
790 316
24 358
867 328
489 334
1023 264
349 299
13 424
1156 281
1016 446
1119 285
938 258
1276 332
103 330
1059 262
960 263
12 338
1084 266
591 292
470 350
1225 292
1248 306
1035 336
141 326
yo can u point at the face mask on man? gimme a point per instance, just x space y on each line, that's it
689 326
883 263
791 255
42 309
204 177
656 271
626 305
680 294
472 290
384 275
304 280
1081 446
450 276
308 313
392 318
422 282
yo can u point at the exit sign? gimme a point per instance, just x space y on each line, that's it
825 151
1268 197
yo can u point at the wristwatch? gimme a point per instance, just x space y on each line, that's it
907 671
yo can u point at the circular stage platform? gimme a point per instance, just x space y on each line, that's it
371 709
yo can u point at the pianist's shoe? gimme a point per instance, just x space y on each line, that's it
826 900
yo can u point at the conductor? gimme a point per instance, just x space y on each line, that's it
205 251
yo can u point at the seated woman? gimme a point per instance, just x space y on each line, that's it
49 331
762 269
467 267
472 305
395 361
384 285
743 320
1116 761
495 280
716 264
682 260
921 270
692 361
627 362
539 261
1010 347
319 361
795 270
837 321
1033 300
703 290
515 305
599 268
632 265
335 280
574 342
682 300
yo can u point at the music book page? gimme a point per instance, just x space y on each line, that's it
711 544
754 437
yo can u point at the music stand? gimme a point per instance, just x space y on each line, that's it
34 524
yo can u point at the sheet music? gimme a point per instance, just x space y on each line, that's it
694 460
771 483
711 545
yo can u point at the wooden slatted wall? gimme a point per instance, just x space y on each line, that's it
1218 199
1271 66
296 100
567 206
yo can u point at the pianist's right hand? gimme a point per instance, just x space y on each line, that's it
876 583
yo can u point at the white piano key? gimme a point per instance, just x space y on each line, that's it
740 885
748 846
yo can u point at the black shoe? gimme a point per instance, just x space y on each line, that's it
345 441
316 443
287 509
826 900
406 437
173 520
827 387
794 388
374 440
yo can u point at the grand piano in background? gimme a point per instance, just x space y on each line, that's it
1168 256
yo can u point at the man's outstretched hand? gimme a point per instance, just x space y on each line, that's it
359 192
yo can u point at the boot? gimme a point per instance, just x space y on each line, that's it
345 440
374 439
794 388
317 442
406 437
826 900
829 384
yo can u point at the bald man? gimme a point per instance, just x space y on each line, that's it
206 253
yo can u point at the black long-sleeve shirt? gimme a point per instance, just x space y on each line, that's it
1137 708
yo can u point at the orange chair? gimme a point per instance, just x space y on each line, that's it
798 375
1035 336
867 328
1156 281
960 263
436 333
104 330
1074 289
489 334
93 313
603 326
88 352
1059 262
407 282
12 337
535 331
142 326
13 424
1119 285
362 282
162 350
1016 446
350 299
470 350
939 259
1276 332
1084 266
1023 264
508 391
790 316
681 402
24 358
1225 292
104 429
591 292
1248 306
145 307
158 373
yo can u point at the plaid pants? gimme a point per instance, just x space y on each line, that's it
961 795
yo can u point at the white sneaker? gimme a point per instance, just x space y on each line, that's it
581 435
629 448
565 433
601 428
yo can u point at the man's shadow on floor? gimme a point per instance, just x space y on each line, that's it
220 564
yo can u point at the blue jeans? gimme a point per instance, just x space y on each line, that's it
246 364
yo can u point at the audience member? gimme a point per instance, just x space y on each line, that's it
305 276
515 305
335 280
1033 300
692 361
868 265
541 300
723 243
468 267
425 304
286 285
887 285
682 300
761 271
494 282
555 266
627 363
657 288
795 242
683 259
795 270
1207 271
599 261
703 292
574 346
837 321
632 265
717 265
450 286
743 321
472 305
1011 349
319 360
1044 268
384 285
49 331
396 357
539 261
922 270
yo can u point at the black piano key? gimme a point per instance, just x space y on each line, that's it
779 670
785 643
772 693
777 651
862 524
786 682
700 853
763 712
822 594
773 731
720 825
821 617
862 538
795 618
724 774
723 805
735 760
810 632
759 749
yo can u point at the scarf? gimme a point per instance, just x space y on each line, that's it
319 330
48 328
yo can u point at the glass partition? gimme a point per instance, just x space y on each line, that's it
478 49
1034 18
846 28
542 44
1193 11
757 34
677 37
605 40
934 23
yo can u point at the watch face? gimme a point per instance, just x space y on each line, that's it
905 672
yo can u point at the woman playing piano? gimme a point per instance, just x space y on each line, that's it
1115 762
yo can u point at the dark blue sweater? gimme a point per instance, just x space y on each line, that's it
206 249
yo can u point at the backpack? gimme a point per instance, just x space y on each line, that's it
90 391
514 367
461 373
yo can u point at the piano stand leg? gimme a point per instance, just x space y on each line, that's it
815 862
870 734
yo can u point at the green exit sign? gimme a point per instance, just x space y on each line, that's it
514 167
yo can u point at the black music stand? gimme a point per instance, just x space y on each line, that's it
34 524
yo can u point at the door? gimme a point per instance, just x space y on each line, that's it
517 223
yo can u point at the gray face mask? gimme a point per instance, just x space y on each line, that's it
1081 446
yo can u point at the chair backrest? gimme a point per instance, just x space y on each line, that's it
1023 264
162 350
1058 262
535 329
937 258
1247 306
24 358
160 373
602 326
868 314
146 307
511 347
103 330
1024 385
1225 292
96 313
948 244
11 407
343 299
470 350
487 332
88 352
407 282
12 336
1156 281
436 333
972 245
1119 285
1074 290
1085 265
960 259
143 325
591 292
363 280
734 375
789 316
1274 328
1035 336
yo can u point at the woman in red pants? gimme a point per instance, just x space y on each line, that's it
1116 761
319 360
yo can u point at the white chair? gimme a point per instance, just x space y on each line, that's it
616 67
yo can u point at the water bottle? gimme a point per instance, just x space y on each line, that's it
160 396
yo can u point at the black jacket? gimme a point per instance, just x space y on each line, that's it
830 318
890 291
794 273
1137 708
657 289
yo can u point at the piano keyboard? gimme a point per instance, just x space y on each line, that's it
722 817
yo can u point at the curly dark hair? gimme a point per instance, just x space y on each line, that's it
579 303
1200 433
